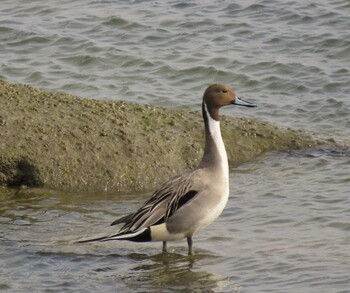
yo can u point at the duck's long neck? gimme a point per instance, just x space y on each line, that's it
214 150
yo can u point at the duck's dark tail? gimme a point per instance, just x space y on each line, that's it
99 239
143 235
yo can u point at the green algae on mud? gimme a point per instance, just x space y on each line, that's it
59 141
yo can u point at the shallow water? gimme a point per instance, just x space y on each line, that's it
286 226
277 234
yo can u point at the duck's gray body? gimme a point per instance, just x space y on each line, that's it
186 204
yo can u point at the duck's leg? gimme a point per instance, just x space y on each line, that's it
189 242
164 246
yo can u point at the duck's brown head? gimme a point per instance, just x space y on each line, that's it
219 95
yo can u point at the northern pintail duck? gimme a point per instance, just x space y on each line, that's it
186 204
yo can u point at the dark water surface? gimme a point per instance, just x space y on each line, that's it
277 234
287 224
292 58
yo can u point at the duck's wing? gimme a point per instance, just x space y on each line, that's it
123 219
163 204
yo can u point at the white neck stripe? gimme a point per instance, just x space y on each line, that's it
215 132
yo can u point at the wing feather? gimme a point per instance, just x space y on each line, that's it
163 204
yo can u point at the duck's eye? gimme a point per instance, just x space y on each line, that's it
224 91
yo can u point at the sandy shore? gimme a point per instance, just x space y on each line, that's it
58 141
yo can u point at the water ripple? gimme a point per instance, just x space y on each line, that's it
294 57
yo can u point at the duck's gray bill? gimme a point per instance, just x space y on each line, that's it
240 102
